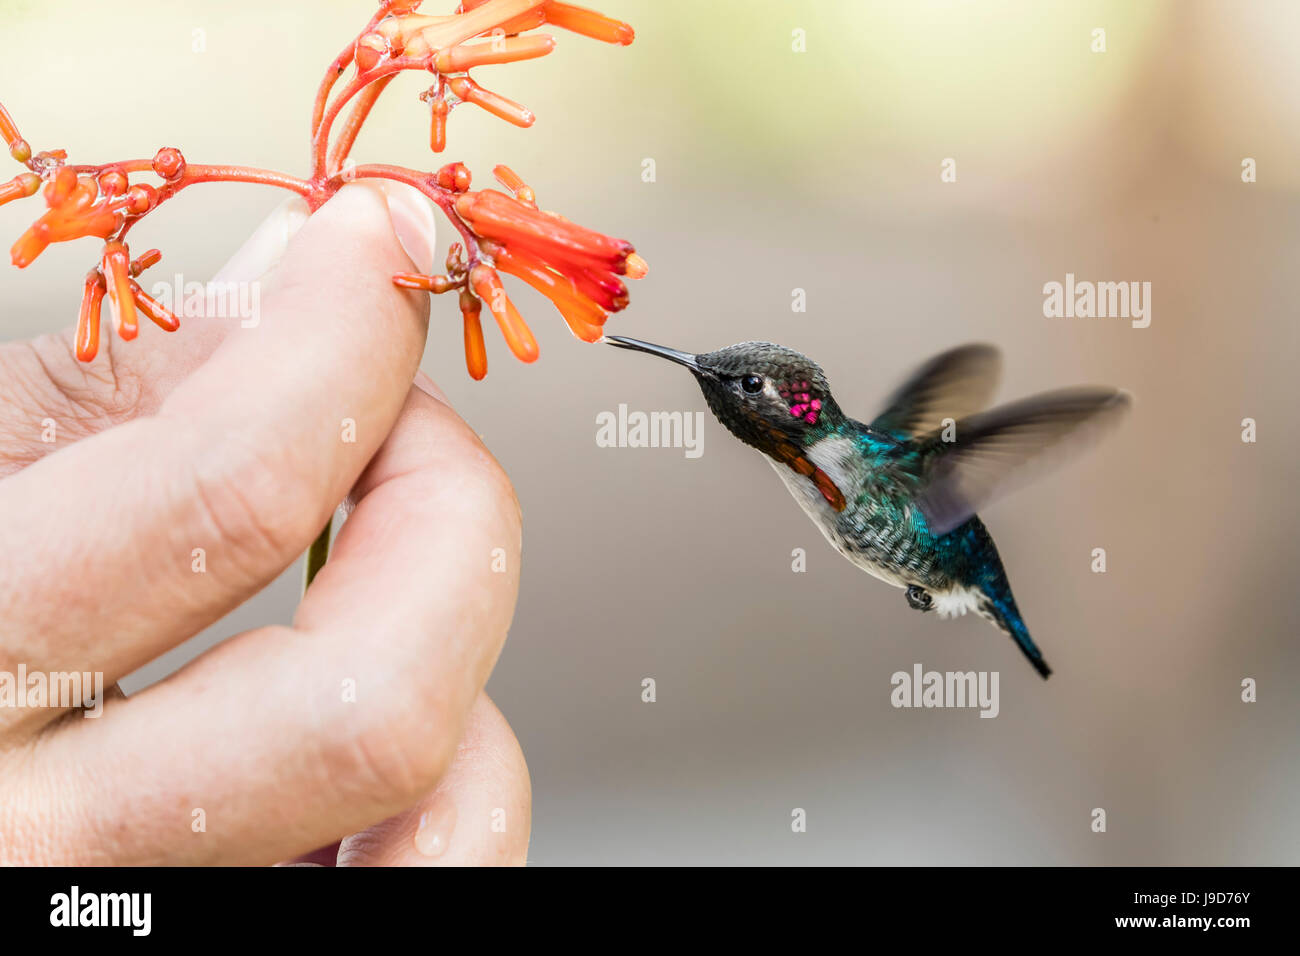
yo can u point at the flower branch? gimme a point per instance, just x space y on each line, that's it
580 270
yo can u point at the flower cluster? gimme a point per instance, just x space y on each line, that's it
578 269
439 44
99 204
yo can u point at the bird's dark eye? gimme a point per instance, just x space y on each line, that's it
752 383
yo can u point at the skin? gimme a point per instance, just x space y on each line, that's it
229 439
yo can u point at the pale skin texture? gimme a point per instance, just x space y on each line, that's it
229 439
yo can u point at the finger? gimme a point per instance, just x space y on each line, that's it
126 379
480 815
165 523
51 398
233 307
165 359
288 738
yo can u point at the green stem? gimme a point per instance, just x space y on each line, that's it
317 555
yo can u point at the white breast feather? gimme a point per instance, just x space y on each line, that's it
831 456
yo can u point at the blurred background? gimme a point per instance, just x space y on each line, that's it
819 170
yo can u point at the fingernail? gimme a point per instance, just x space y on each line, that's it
436 824
265 247
429 387
413 221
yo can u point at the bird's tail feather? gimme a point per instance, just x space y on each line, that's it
1000 608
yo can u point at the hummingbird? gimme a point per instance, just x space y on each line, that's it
897 496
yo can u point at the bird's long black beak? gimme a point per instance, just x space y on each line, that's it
672 355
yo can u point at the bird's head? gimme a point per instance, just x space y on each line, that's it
768 396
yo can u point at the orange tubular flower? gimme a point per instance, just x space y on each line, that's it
578 269
9 135
438 125
581 271
460 58
508 110
510 179
146 261
475 349
88 321
73 213
589 23
162 316
20 187
116 267
559 243
435 284
97 286
519 337
583 316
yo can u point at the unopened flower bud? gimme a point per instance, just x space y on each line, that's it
112 183
169 163
454 176
143 197
145 261
475 349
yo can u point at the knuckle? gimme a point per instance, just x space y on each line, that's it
395 753
44 380
482 485
251 503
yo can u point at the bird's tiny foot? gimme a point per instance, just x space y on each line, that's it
919 598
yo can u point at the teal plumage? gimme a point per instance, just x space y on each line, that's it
897 497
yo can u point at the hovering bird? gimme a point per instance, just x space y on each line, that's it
897 497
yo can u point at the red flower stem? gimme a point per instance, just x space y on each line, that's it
195 174
332 74
356 118
421 181
126 166
320 142
336 68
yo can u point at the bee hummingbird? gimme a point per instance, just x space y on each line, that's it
897 497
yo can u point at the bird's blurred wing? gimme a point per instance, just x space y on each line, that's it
992 452
952 385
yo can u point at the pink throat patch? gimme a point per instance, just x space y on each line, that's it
802 404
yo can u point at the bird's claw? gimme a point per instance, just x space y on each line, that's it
919 598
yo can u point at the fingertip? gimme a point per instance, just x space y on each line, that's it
262 251
480 814
375 212
413 221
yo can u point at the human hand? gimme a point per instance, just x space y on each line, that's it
230 440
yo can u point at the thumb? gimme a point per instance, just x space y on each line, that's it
168 359
249 455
